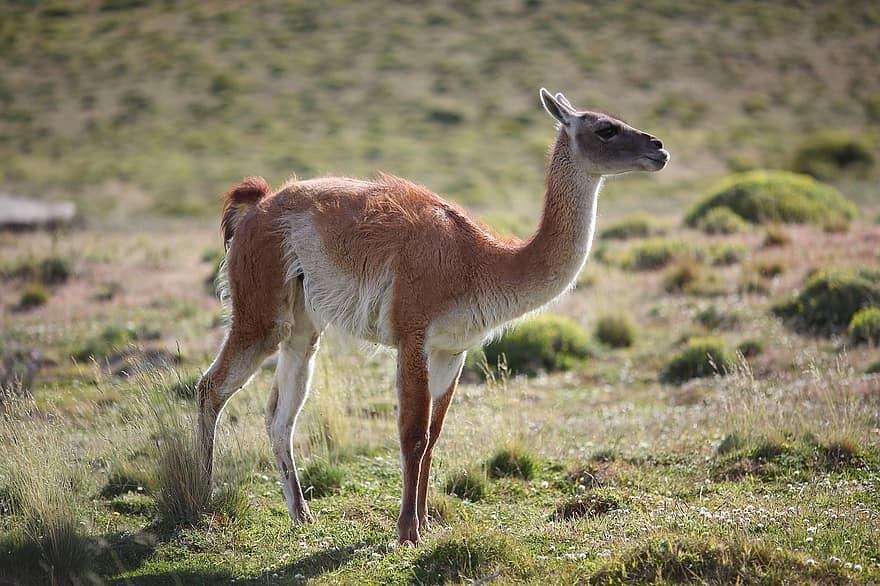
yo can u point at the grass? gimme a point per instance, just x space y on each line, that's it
765 475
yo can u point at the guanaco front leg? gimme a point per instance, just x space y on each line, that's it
444 369
414 415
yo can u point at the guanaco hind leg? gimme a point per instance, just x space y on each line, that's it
289 392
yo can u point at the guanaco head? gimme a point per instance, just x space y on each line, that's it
602 144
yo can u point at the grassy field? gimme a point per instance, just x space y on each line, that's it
611 472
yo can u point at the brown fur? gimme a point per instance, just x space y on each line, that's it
237 200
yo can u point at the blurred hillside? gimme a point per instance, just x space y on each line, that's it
134 107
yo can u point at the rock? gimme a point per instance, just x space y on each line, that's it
21 213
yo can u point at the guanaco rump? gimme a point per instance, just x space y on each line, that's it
392 263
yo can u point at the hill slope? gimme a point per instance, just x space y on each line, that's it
159 106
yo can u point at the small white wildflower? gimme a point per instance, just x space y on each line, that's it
809 540
811 562
857 567
544 484
812 529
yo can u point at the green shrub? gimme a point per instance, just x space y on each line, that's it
633 226
51 270
750 348
712 318
653 254
776 235
830 155
873 368
548 343
512 461
721 220
33 295
469 484
726 253
865 326
681 277
702 357
830 299
111 339
770 268
616 330
321 478
774 196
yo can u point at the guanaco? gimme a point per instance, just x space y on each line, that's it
390 262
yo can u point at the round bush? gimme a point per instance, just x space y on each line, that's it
830 299
865 326
34 295
634 226
546 343
831 154
721 220
654 254
774 196
702 357
616 330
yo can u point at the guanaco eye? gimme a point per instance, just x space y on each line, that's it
607 132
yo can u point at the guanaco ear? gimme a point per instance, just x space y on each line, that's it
560 111
564 101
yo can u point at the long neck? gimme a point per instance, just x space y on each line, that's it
544 266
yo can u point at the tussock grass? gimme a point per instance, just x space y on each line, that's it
776 235
587 506
41 489
633 226
616 330
671 559
469 484
33 295
321 478
183 485
512 461
654 254
702 357
465 555
49 271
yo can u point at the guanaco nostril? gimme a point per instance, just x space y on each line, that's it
656 142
